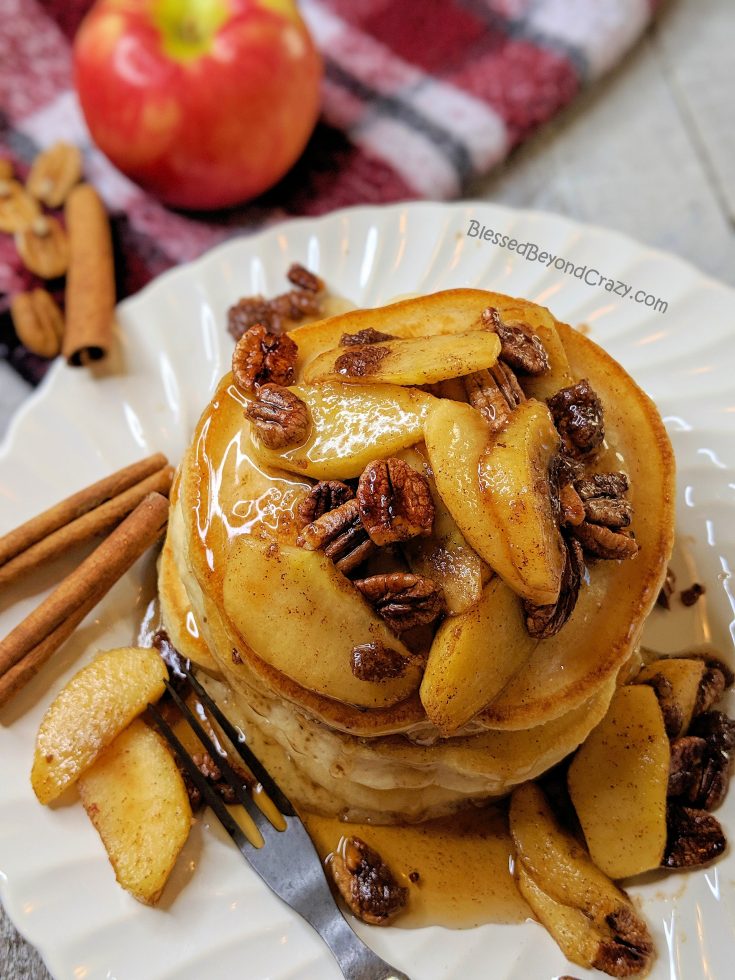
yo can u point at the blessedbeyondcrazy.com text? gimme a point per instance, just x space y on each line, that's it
589 275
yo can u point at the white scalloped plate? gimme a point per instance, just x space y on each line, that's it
172 347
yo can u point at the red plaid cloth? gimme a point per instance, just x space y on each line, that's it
418 98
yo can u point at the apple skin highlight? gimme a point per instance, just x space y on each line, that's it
204 104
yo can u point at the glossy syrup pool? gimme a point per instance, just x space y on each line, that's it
464 865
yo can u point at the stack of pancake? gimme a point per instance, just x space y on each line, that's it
380 757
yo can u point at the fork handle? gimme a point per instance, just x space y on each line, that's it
356 960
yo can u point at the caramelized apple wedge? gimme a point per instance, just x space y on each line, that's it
296 612
444 556
416 361
498 491
350 426
618 781
473 656
560 878
136 798
94 707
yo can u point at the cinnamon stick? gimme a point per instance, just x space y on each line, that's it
90 581
17 677
94 522
90 279
75 506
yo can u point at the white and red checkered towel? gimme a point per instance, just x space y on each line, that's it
419 97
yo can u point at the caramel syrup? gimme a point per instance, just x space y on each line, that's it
458 869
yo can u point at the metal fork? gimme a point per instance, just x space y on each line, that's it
288 862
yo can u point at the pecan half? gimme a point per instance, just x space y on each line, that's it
613 484
260 357
394 501
494 393
302 278
711 687
340 535
602 542
279 417
275 314
699 774
611 513
545 621
578 416
717 728
324 496
17 208
43 247
38 322
519 345
629 950
366 883
360 361
694 837
54 172
366 336
402 599
375 662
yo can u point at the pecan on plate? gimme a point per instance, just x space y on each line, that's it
17 208
375 662
716 678
519 345
402 599
340 535
302 278
279 417
694 837
38 322
282 311
394 501
367 336
629 950
699 774
545 621
324 496
261 357
366 883
693 594
494 393
717 728
578 416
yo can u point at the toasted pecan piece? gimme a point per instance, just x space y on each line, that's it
261 357
302 278
375 662
340 534
279 416
366 883
520 347
324 496
394 501
402 599
695 837
578 416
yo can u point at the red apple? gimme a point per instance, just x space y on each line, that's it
205 103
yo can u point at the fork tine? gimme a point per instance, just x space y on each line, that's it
211 798
231 777
243 750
